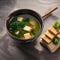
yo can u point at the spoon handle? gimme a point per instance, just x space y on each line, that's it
48 13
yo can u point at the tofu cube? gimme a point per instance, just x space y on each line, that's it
58 35
17 32
27 36
53 30
46 39
32 22
59 30
50 35
27 28
20 19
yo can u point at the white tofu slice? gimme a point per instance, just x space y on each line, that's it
20 19
50 35
27 35
58 35
32 22
46 39
27 28
53 30
17 32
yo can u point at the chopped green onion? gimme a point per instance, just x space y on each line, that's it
55 41
57 26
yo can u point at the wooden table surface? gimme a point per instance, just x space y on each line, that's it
10 50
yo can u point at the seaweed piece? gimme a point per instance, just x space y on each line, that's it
34 32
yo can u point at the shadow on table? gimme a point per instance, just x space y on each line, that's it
12 49
29 48
42 55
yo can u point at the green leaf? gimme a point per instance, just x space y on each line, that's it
22 24
13 26
57 26
55 41
33 32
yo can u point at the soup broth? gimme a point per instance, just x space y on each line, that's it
24 26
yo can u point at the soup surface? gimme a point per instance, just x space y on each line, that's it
24 26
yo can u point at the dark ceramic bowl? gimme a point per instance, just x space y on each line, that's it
24 11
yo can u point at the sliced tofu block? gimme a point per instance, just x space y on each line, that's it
51 46
17 32
58 35
46 39
27 28
53 30
27 35
20 19
50 35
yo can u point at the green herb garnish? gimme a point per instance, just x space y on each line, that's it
33 32
55 41
57 26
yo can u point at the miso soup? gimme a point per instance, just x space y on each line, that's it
24 26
